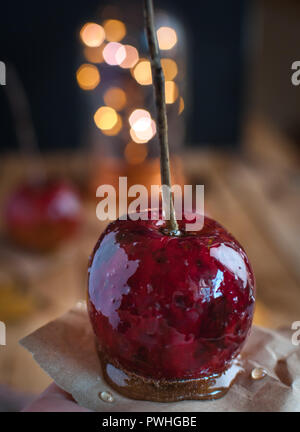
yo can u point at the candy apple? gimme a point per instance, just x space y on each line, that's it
40 215
167 307
170 308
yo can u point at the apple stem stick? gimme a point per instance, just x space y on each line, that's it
159 89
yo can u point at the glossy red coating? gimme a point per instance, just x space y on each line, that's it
170 307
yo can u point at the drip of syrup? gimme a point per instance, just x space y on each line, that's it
106 396
258 373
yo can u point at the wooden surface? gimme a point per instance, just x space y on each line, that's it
255 195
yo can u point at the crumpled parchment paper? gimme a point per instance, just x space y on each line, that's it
65 349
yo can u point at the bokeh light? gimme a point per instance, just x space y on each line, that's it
167 38
181 105
142 124
120 56
115 30
135 138
170 68
171 92
105 118
114 53
138 114
115 98
131 57
142 72
88 76
143 134
94 54
115 129
135 153
92 34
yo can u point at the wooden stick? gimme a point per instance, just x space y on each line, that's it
162 125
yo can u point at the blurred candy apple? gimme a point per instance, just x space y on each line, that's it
41 215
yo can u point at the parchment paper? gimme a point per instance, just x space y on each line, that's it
65 349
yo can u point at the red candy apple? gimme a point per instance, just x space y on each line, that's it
40 215
170 307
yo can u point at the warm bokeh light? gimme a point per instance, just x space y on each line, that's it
88 76
144 133
137 115
171 92
115 129
142 72
115 30
114 53
115 98
105 118
120 55
92 34
131 57
142 124
181 105
135 153
135 138
167 38
170 68
94 55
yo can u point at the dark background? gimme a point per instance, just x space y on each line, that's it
41 40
